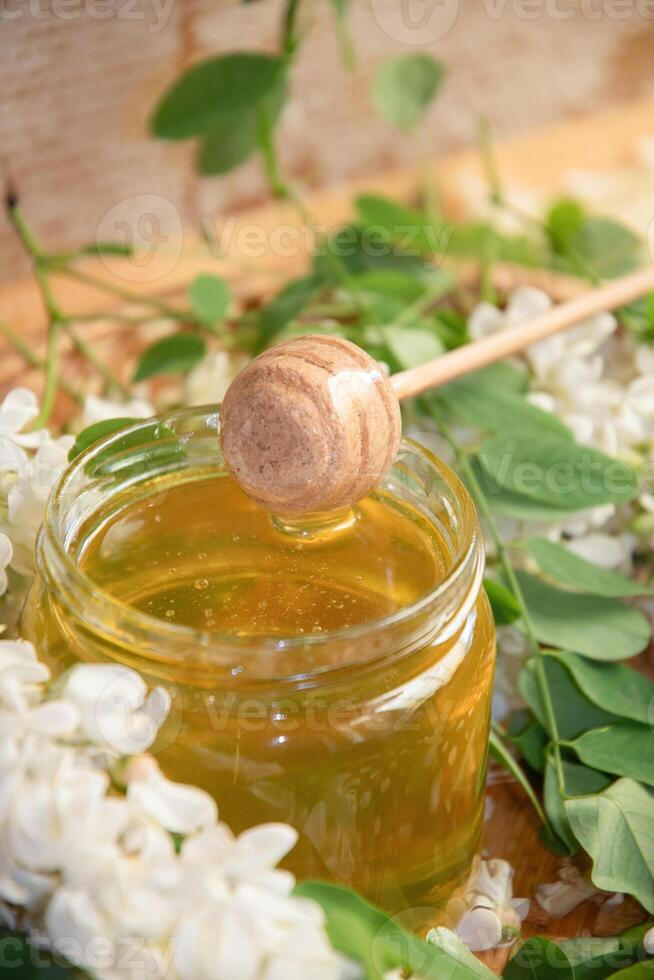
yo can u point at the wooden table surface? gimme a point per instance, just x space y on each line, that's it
538 160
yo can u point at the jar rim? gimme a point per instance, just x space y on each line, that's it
90 598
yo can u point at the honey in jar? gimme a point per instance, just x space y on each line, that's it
334 673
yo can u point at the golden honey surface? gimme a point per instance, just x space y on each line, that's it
202 555
380 765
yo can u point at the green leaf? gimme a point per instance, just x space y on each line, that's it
596 958
563 220
287 305
602 629
499 751
632 938
210 298
392 284
539 959
574 713
93 433
616 828
528 736
588 957
583 948
360 250
578 781
480 239
452 327
215 93
404 87
172 355
606 246
625 748
409 346
639 317
448 942
502 375
561 564
639 971
405 227
555 809
410 228
151 445
226 147
378 944
556 472
475 400
514 505
614 687
230 144
506 608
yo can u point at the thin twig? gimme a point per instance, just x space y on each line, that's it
130 296
108 376
54 314
34 361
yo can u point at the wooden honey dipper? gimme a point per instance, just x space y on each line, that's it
314 423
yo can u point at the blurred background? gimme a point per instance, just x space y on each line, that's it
79 79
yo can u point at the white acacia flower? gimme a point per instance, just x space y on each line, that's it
485 320
609 551
114 933
101 409
19 408
178 808
116 710
59 813
21 674
207 383
97 873
562 896
27 497
254 932
484 912
6 554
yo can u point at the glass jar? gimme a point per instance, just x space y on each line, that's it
370 741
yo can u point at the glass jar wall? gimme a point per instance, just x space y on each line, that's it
336 676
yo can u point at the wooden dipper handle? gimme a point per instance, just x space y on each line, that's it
314 424
476 355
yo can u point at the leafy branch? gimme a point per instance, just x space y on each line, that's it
209 304
468 473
